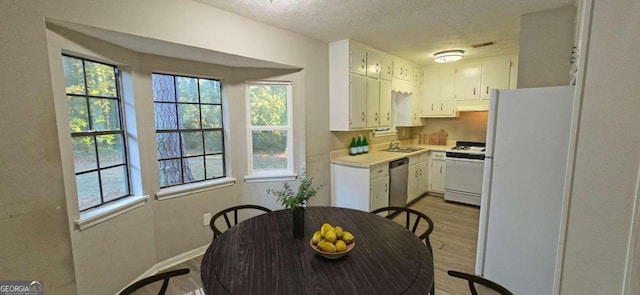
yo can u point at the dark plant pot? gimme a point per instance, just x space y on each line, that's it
298 222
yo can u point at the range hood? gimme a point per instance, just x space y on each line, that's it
472 105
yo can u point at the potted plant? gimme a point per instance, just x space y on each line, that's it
296 201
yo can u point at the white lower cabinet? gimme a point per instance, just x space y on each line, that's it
418 182
360 188
436 171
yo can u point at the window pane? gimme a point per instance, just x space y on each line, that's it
165 114
211 116
194 169
101 79
170 172
269 149
164 88
192 143
88 188
214 166
168 145
110 149
187 89
84 153
268 105
78 116
114 183
212 142
73 75
104 114
209 91
189 116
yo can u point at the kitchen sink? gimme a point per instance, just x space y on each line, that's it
403 149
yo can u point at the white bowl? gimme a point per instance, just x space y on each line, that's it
329 255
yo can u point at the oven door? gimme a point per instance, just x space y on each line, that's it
464 176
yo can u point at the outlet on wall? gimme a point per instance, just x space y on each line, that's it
206 218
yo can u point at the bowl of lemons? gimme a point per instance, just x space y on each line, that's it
332 242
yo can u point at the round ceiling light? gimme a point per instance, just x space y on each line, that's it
448 56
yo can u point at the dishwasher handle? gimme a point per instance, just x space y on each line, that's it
396 163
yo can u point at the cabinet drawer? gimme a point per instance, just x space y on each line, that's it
423 157
379 171
438 155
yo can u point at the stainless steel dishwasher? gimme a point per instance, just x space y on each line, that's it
398 177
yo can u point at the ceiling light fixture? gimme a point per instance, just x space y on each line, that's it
448 56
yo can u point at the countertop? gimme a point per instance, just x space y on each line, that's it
377 155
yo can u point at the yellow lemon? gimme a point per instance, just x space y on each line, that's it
325 228
316 237
347 237
339 231
331 236
329 247
341 246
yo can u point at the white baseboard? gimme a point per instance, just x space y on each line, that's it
170 262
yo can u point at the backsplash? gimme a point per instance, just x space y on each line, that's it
470 126
342 139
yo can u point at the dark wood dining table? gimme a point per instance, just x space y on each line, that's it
260 256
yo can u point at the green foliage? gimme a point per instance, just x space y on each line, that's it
269 108
289 199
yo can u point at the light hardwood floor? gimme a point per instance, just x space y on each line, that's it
453 239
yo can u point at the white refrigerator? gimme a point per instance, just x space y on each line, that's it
523 186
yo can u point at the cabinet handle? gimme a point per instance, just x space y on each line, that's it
440 169
364 64
380 171
386 187
431 107
487 89
388 116
377 68
441 106
416 173
414 116
421 172
376 116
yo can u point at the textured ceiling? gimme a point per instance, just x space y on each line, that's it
410 29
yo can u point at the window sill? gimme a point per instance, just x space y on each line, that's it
192 188
271 177
110 210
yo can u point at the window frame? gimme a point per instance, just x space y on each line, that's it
178 189
270 174
94 134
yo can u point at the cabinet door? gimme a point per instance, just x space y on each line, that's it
495 75
446 77
358 60
408 72
430 91
412 183
379 193
357 101
386 67
436 176
423 177
373 102
416 106
373 64
467 82
385 103
398 69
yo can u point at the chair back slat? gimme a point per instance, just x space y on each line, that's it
484 283
165 277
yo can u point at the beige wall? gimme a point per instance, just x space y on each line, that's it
34 204
546 39
606 165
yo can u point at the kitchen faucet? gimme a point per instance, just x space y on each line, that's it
394 144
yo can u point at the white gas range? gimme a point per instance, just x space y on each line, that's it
464 166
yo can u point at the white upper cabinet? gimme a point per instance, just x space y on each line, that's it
495 75
386 67
474 81
359 98
438 91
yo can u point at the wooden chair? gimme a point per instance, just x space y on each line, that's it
417 216
152 279
489 286
226 212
